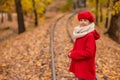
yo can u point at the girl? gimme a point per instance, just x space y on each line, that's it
84 50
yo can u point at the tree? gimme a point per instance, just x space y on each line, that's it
101 12
21 25
2 18
114 30
9 17
79 3
35 13
6 7
35 8
97 10
107 14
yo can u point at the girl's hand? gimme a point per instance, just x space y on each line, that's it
69 54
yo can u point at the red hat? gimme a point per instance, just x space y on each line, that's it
86 15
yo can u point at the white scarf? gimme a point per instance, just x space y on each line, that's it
82 31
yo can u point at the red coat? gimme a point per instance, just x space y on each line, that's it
83 56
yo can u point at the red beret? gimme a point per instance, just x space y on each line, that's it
86 15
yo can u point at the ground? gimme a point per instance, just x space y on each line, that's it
27 56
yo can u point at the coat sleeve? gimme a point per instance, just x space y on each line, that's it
87 53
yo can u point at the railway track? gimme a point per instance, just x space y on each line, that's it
52 47
58 56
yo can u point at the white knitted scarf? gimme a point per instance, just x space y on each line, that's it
82 31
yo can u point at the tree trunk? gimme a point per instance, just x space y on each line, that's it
35 13
81 3
97 4
84 2
21 25
107 15
114 30
101 14
9 17
2 17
